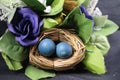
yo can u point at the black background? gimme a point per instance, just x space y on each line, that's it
112 59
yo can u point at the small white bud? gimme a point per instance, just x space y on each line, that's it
48 9
42 2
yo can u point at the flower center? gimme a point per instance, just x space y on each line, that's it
25 26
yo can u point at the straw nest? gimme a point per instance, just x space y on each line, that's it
55 63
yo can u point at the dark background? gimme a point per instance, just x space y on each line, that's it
112 59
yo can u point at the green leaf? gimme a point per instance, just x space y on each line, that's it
57 7
35 4
81 1
12 48
12 65
84 27
99 21
36 74
49 23
68 21
94 60
101 42
109 28
86 3
49 2
79 22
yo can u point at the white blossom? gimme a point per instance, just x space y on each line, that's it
7 6
48 8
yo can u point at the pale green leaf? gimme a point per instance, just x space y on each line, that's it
86 3
12 48
101 42
94 60
35 74
99 21
80 1
12 65
109 28
49 23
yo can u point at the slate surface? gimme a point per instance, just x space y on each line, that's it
109 7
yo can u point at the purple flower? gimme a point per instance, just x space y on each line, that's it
26 26
84 10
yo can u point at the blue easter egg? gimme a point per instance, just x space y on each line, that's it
46 47
63 50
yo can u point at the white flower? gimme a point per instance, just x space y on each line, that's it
91 6
8 6
48 8
97 12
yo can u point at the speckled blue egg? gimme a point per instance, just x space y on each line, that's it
63 50
46 47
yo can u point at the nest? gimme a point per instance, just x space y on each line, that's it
56 63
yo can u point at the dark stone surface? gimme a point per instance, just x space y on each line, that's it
108 7
111 8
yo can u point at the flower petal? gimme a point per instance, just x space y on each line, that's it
26 35
34 20
84 10
25 10
22 25
12 29
28 26
38 30
26 42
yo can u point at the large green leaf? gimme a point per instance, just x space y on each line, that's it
79 22
101 42
13 49
94 60
12 65
57 7
35 74
84 27
35 4
109 28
